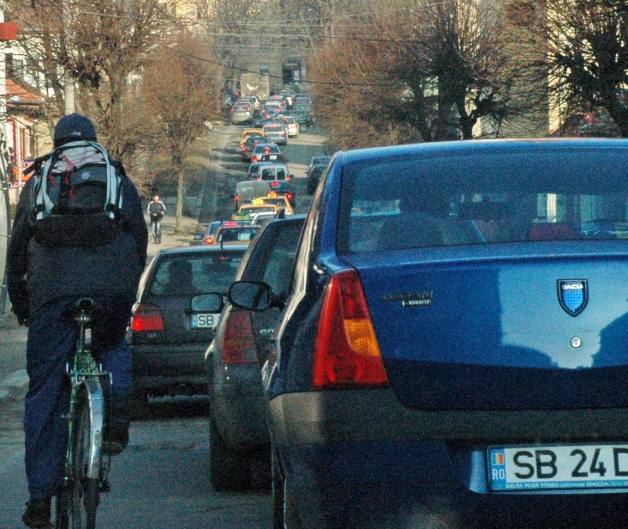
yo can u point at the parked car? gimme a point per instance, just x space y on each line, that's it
263 148
207 237
313 178
241 112
279 200
276 132
247 190
291 124
255 102
237 423
250 145
314 171
254 170
283 187
259 206
247 133
317 161
274 171
452 350
239 234
168 342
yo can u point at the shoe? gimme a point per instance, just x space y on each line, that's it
116 431
37 515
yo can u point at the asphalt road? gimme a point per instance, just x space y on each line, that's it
161 480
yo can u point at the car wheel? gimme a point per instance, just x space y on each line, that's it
229 470
303 127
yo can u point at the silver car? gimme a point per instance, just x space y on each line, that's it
277 133
241 112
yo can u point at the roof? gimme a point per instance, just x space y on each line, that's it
17 94
476 147
185 250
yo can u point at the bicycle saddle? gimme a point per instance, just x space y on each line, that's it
78 305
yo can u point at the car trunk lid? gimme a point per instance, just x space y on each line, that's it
501 334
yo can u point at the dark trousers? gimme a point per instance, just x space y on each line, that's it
51 344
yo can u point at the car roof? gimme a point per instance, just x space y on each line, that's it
192 250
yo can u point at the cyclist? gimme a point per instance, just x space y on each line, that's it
156 210
42 281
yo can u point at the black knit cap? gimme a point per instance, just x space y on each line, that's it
74 127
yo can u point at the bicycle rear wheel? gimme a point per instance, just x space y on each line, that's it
84 492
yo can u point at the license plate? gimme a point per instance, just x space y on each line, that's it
558 467
204 321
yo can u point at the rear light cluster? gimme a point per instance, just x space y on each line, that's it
347 354
238 344
147 317
209 240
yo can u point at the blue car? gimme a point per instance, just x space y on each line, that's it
454 349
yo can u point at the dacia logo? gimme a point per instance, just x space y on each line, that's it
410 299
573 295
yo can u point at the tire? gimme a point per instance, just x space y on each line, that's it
303 127
84 493
229 469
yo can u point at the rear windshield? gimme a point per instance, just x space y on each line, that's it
271 173
484 199
194 274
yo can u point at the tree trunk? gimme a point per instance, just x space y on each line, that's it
180 172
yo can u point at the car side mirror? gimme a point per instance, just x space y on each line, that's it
250 295
210 302
199 236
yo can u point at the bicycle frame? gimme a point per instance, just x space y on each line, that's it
85 372
84 460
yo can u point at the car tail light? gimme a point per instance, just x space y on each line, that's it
289 196
347 354
209 240
147 317
238 345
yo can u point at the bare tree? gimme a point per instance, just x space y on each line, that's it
233 26
99 45
424 71
181 90
586 43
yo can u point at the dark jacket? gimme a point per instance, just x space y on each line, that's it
156 210
37 274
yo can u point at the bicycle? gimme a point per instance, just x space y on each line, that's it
86 470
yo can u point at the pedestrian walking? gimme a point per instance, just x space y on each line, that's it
61 250
156 210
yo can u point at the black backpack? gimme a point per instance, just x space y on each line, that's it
77 197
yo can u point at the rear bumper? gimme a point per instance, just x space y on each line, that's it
164 368
377 415
360 459
370 486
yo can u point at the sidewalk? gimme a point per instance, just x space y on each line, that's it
169 238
